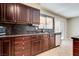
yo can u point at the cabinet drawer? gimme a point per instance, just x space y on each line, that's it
34 37
19 53
76 52
18 42
27 52
18 49
76 43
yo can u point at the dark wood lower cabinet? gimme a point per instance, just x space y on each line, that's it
75 47
24 45
0 47
51 42
5 47
45 42
36 47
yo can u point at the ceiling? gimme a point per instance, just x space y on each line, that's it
67 10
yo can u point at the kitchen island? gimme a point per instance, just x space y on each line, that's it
75 46
24 44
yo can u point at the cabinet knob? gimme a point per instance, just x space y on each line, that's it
23 48
23 43
23 55
23 38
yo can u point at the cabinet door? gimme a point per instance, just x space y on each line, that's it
27 46
22 46
6 47
22 13
35 16
75 47
51 42
2 14
36 47
18 46
45 42
0 47
10 12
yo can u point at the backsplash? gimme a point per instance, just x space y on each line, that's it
23 29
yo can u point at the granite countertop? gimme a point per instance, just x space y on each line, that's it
75 37
57 33
17 35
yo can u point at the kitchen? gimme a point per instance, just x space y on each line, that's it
25 31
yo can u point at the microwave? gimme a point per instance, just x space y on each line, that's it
2 30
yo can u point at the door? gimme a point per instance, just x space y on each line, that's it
51 42
10 9
36 47
2 10
18 46
35 16
27 46
0 47
22 46
45 42
22 14
6 47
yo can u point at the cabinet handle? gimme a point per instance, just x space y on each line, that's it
23 43
23 48
23 55
23 38
36 41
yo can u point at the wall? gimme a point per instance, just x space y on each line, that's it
62 22
73 29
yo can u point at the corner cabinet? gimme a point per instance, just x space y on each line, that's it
18 13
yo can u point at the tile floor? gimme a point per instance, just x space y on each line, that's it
64 50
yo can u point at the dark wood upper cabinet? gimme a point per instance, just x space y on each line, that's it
10 10
22 14
36 16
1 12
7 12
19 13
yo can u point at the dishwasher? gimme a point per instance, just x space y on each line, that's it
57 39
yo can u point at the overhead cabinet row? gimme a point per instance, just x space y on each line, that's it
19 13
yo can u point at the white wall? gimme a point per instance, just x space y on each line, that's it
62 22
73 27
